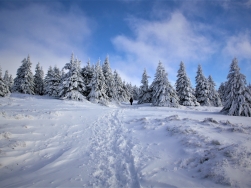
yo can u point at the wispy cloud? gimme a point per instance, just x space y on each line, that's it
169 40
48 33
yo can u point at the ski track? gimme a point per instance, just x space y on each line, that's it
111 152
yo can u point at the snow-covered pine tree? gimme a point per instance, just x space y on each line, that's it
184 89
221 91
237 95
39 86
109 79
136 92
119 88
52 81
144 93
98 86
4 89
24 81
87 73
163 93
213 95
11 82
127 94
202 88
72 85
6 79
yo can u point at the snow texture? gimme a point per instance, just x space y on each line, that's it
163 93
45 142
238 96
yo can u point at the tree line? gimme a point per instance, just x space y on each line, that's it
99 84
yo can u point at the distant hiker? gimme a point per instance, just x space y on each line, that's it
131 100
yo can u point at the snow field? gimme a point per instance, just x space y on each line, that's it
46 142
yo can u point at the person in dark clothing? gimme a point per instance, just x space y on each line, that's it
131 100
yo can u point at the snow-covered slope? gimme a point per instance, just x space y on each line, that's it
46 142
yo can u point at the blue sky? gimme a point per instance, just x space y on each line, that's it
135 35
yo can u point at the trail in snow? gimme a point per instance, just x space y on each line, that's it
111 153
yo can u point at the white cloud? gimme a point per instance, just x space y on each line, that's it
48 34
238 46
170 40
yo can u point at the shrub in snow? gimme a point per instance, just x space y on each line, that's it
184 89
238 96
202 88
144 92
52 81
39 80
4 89
98 86
24 82
213 95
72 85
163 93
109 80
87 73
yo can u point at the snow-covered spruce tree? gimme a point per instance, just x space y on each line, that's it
184 89
213 95
163 93
6 79
11 82
72 85
109 79
136 92
87 73
98 86
4 89
202 88
144 94
221 91
127 94
39 80
120 94
24 81
52 81
238 96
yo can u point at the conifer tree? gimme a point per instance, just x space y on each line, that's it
163 93
87 73
4 89
213 95
24 81
6 79
237 95
202 88
11 82
121 96
72 85
221 91
136 92
144 93
98 86
39 86
184 89
109 79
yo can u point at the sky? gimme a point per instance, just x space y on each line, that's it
136 35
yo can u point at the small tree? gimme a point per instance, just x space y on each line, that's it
144 93
221 91
136 92
119 87
24 82
98 86
213 95
72 85
184 88
202 88
109 79
238 96
163 93
4 89
39 80
87 73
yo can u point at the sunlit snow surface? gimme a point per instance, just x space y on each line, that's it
46 142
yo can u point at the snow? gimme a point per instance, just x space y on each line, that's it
46 142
